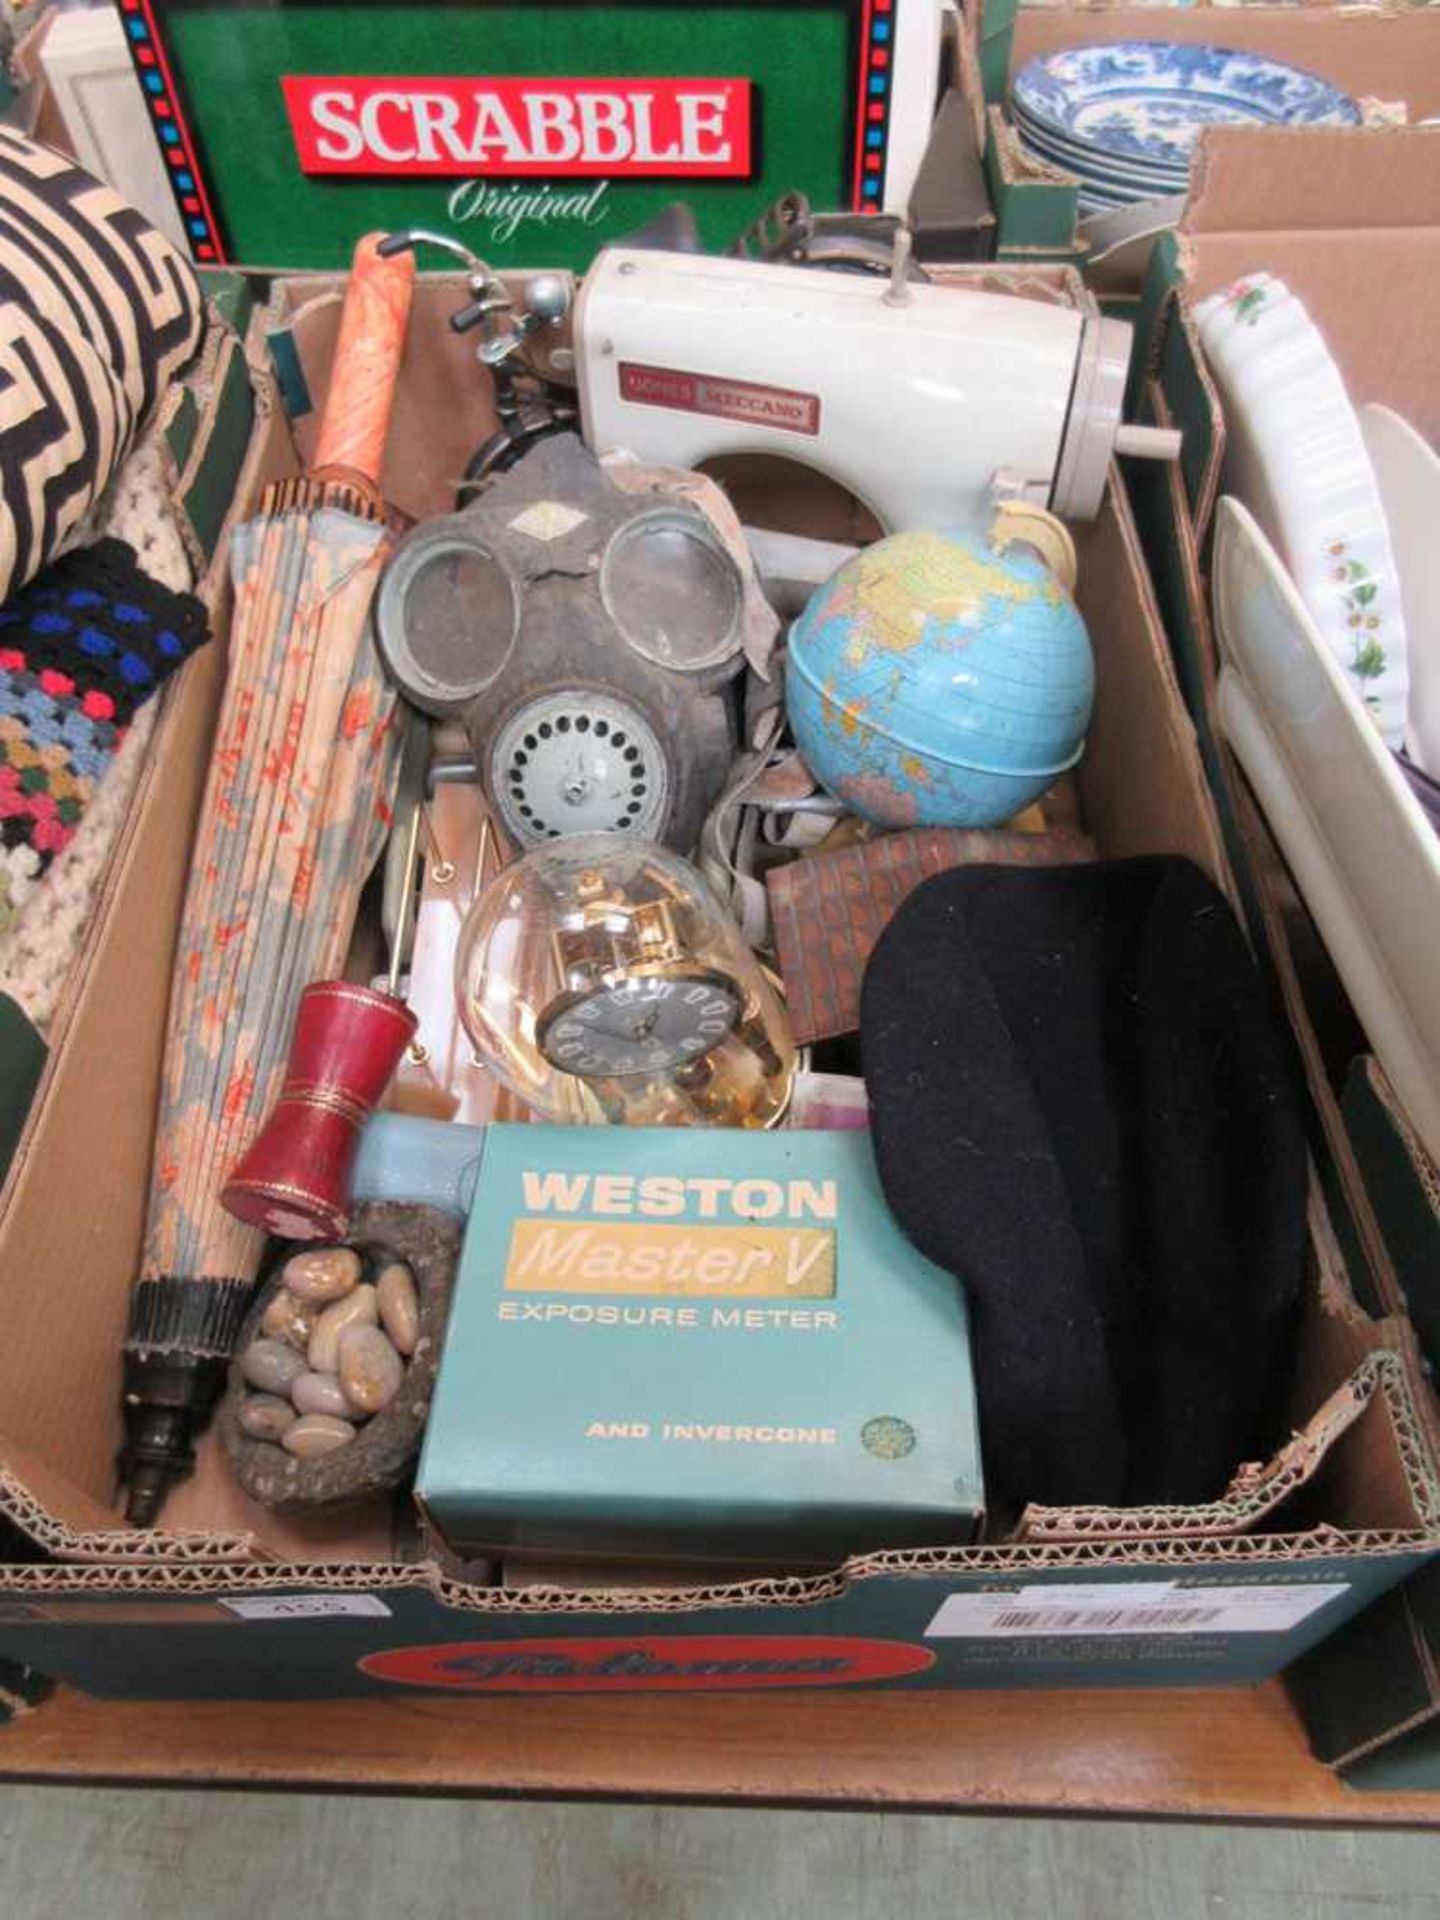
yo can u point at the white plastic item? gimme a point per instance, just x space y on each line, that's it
1295 456
1363 854
87 67
923 402
1407 470
914 47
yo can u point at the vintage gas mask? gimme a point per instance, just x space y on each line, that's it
586 635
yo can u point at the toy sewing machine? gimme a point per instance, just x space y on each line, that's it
926 401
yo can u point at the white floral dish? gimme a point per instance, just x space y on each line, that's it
1362 852
1296 457
1407 471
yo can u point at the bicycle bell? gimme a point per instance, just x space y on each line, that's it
529 406
586 635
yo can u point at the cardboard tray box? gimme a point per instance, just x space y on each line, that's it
227 1600
1364 255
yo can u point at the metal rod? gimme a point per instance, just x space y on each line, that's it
443 871
407 896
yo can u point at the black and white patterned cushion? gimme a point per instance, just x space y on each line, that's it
98 312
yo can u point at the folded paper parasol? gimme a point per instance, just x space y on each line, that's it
295 813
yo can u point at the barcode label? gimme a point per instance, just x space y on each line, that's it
1068 1619
1116 1607
308 1606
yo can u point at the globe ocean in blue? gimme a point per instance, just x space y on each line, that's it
939 679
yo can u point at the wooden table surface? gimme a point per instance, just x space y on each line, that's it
1198 1755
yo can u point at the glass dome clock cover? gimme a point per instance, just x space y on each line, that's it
601 980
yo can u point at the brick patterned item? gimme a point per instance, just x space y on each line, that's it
828 910
80 649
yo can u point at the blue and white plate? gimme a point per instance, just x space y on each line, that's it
1041 135
1101 181
1147 100
1086 164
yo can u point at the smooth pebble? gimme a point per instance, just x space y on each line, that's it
322 1274
399 1306
317 1433
358 1309
370 1369
289 1319
270 1365
319 1393
264 1417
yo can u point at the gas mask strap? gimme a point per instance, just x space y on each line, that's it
727 840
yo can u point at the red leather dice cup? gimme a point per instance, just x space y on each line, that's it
294 1180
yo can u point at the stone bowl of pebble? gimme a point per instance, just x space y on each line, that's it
330 1388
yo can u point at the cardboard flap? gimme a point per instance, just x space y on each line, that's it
1142 787
1257 1490
1363 256
68 1525
1170 385
1262 180
1285 929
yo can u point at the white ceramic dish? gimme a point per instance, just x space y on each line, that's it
1362 852
1126 237
1296 457
1407 471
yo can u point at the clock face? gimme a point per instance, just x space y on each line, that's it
645 1023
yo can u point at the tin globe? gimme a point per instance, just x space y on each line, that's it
940 679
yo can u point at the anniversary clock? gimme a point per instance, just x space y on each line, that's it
602 981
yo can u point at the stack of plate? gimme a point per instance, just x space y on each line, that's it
1124 118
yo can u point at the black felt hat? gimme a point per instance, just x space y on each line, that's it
1083 1106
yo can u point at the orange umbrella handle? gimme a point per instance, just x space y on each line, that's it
367 363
